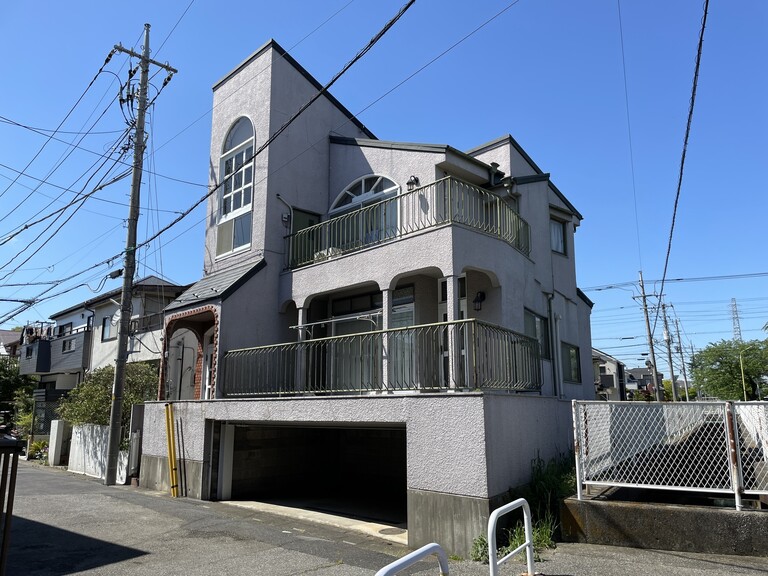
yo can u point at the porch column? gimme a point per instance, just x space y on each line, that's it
386 322
452 314
300 382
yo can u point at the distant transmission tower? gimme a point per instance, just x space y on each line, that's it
736 324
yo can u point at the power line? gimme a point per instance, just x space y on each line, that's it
675 280
629 136
106 61
277 133
685 148
256 75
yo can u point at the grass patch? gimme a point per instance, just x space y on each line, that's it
550 483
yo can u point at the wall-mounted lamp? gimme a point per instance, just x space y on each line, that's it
478 301
412 183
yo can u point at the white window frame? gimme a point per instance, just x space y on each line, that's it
233 188
367 196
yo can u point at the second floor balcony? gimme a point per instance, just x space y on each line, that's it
461 355
446 201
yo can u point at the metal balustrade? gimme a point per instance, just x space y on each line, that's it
445 201
719 447
465 354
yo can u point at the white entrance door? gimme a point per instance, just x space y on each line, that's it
208 368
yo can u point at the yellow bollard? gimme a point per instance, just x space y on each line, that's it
170 434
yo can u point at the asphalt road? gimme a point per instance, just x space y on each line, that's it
69 524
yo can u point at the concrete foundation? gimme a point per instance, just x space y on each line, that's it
665 527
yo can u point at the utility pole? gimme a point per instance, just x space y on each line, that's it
668 341
682 359
129 266
654 375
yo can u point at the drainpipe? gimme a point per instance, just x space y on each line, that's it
90 345
553 329
290 236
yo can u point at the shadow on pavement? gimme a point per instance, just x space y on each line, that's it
37 548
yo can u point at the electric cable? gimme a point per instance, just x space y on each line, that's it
629 136
72 109
685 149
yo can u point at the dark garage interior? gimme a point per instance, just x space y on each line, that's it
353 471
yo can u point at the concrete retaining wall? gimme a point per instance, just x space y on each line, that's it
88 452
665 527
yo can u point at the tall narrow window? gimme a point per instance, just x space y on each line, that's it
537 327
571 363
236 196
557 236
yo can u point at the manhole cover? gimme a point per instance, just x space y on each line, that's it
391 531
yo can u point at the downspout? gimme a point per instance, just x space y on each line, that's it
290 235
90 344
553 338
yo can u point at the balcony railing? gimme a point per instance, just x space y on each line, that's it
468 354
448 200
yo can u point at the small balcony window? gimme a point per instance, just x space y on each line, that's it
68 345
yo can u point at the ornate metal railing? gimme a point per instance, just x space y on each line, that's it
468 354
445 201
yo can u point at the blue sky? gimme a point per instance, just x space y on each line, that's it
549 72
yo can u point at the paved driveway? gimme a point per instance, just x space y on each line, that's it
67 524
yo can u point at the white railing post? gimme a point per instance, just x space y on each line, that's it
414 557
577 448
493 562
733 453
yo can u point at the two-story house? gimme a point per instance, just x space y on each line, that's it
386 329
83 337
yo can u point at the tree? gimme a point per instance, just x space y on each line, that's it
90 402
11 381
716 369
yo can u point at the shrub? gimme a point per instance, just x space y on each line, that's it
91 401
38 449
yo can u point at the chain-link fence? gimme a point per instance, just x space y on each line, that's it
752 436
719 447
42 415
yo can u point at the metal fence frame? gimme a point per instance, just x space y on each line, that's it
715 447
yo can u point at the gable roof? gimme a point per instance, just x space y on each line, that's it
273 45
218 286
10 337
508 139
146 284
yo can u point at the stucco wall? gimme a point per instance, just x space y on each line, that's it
464 444
445 434
520 429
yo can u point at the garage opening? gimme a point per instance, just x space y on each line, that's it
352 471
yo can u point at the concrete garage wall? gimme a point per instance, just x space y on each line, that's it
462 449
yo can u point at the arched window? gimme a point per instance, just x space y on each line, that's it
372 224
236 196
365 190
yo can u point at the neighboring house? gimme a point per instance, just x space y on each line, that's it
84 337
610 376
385 328
9 343
642 379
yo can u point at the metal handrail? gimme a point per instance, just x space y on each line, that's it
480 355
415 556
445 201
493 561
